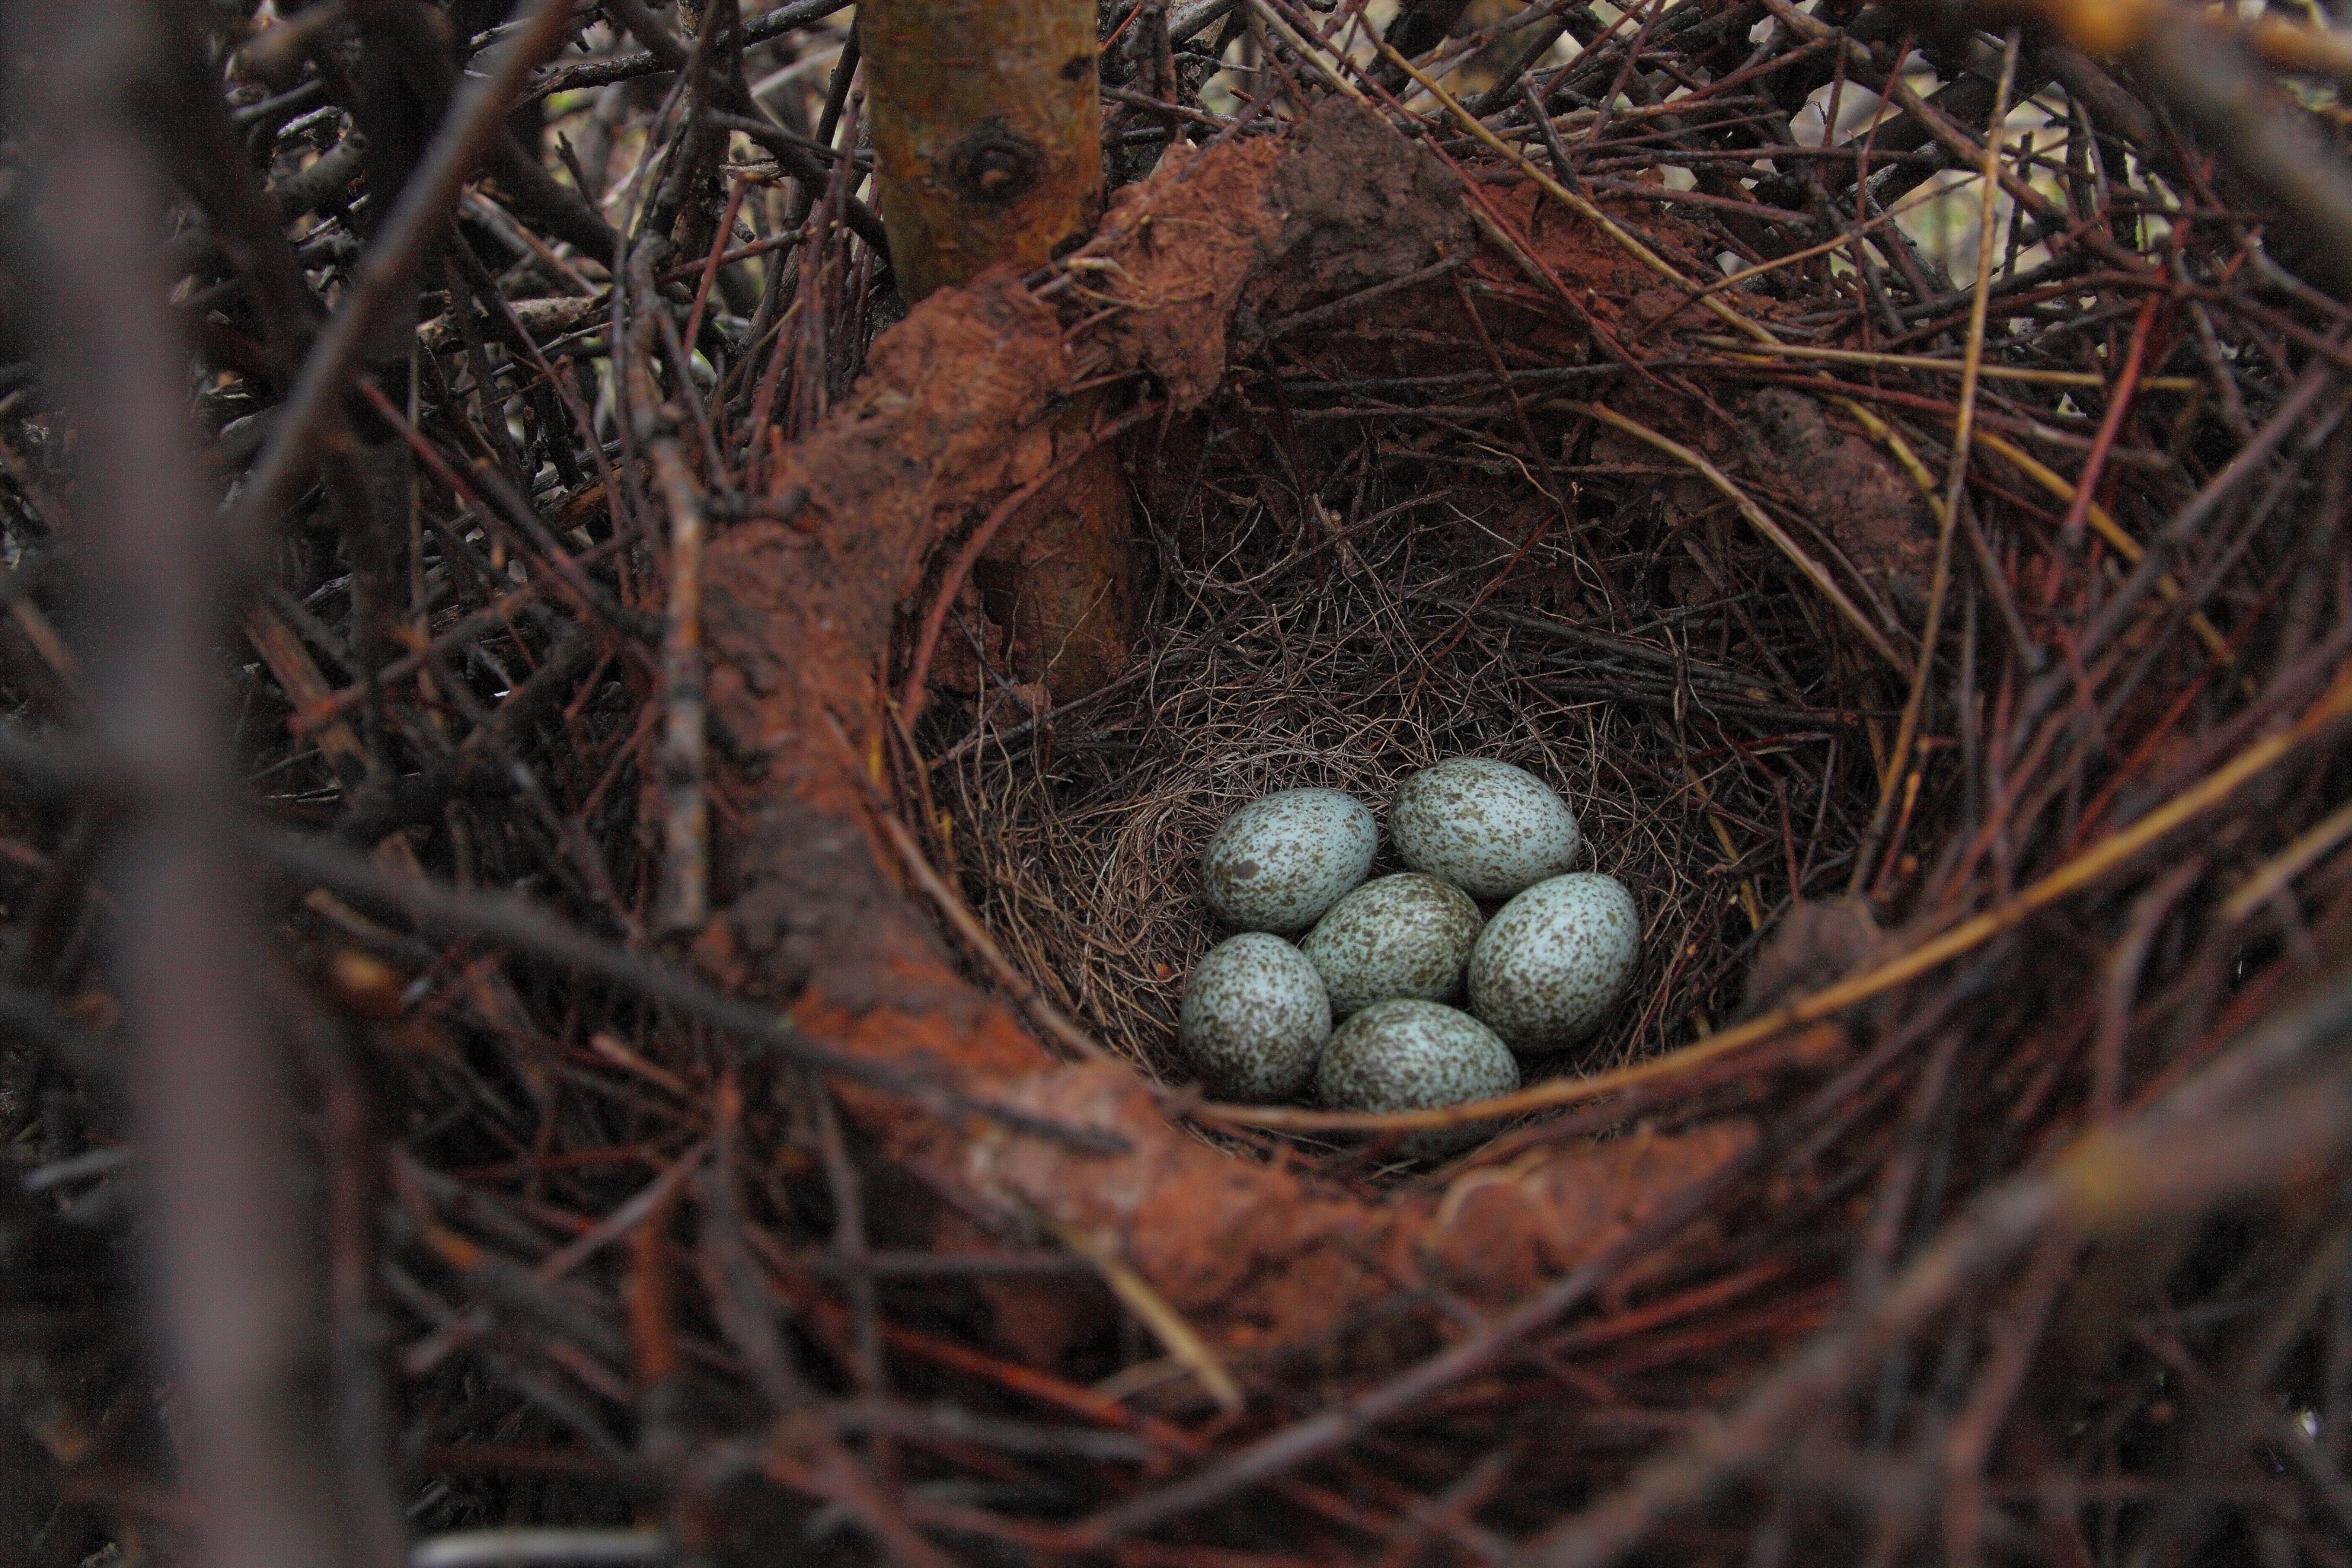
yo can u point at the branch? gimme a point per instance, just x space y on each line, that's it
2231 1130
222 1236
650 62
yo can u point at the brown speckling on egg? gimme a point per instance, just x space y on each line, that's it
1406 1055
1552 962
1280 862
1402 936
1487 827
1254 1019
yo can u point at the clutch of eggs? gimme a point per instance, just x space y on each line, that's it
1382 956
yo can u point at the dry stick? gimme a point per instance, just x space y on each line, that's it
514 921
1955 141
2110 854
786 19
1704 298
2103 524
222 1235
2119 400
313 714
683 903
1761 352
564 568
2271 877
1272 1457
2162 1162
1181 1340
1851 236
1981 1420
1582 208
477 118
1483 216
2204 72
807 163
2093 640
475 1323
1907 729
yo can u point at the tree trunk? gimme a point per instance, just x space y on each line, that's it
988 150
987 137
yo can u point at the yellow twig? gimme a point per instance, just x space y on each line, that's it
1930 362
1750 904
1907 728
2271 877
1578 205
2103 524
1886 435
1183 1343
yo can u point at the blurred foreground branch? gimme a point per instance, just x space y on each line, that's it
208 1087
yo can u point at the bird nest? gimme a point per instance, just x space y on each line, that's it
712 1006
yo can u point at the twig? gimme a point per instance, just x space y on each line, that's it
476 119
786 19
2021 375
506 918
1948 513
1756 516
685 899
1182 1340
2202 69
2247 1140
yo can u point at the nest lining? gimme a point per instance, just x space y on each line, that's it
1416 608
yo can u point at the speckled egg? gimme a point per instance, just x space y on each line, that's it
1280 862
1406 1055
1254 1019
1402 936
1554 960
1487 827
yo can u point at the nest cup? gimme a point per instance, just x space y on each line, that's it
1425 599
